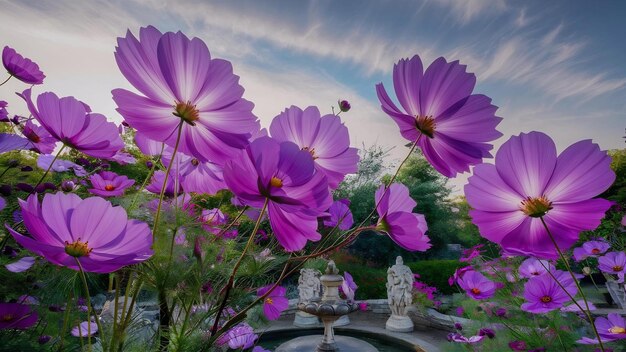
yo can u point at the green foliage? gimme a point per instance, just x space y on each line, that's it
371 281
436 273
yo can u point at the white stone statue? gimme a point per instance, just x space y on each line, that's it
309 287
399 296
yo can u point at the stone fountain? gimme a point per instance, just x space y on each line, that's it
328 308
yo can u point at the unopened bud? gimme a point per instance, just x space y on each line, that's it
344 105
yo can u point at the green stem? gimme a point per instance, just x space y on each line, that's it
90 308
167 174
582 294
48 170
66 318
231 279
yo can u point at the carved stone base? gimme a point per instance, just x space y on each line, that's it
304 319
398 323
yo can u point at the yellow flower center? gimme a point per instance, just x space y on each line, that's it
7 317
595 251
536 207
475 291
426 125
546 299
77 248
268 300
187 111
109 187
195 162
311 151
276 182
617 330
618 268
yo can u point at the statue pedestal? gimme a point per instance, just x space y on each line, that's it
397 323
304 319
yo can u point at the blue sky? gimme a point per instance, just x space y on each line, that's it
558 66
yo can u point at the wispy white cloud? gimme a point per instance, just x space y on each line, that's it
468 10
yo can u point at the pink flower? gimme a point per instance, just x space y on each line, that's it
476 285
529 184
109 184
544 294
532 267
590 249
275 303
613 263
16 316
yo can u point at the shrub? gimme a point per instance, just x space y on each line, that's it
436 273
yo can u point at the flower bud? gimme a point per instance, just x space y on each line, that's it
149 164
344 106
587 271
68 186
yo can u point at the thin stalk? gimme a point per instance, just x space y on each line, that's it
167 174
6 80
582 294
231 279
89 308
66 318
49 167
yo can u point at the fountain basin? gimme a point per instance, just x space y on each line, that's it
311 343
273 340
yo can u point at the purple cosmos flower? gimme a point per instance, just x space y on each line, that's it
21 68
68 186
407 229
476 285
518 345
260 349
4 114
9 142
471 253
181 83
68 120
65 228
453 125
470 340
611 328
194 175
590 249
16 316
40 139
340 215
613 263
348 286
84 329
241 336
109 184
458 273
575 307
284 176
60 165
543 293
325 137
529 182
44 339
3 203
212 220
21 265
532 267
123 158
156 184
275 303
487 332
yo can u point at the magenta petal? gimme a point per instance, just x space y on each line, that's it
582 172
292 229
9 142
21 265
395 199
407 77
486 191
526 163
404 229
